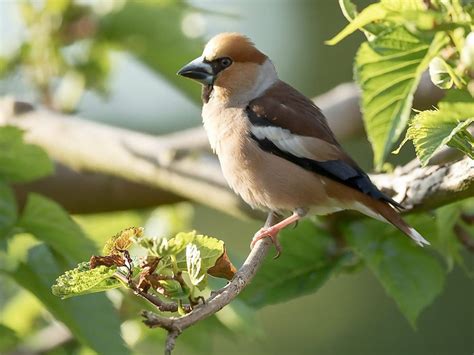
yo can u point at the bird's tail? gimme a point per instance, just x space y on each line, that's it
393 217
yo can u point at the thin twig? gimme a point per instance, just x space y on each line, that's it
158 303
171 341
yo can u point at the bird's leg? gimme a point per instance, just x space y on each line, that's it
272 231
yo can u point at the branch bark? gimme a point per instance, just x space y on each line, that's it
425 188
131 169
89 192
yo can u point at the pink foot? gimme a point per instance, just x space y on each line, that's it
270 232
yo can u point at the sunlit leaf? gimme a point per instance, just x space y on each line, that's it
370 14
388 70
83 280
349 9
439 73
399 11
210 250
411 275
432 129
20 162
172 246
38 273
350 12
307 261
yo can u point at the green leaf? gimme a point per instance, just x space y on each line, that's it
439 73
445 240
47 221
350 12
388 71
210 249
83 280
442 75
432 129
306 263
196 255
173 246
403 5
370 14
174 290
409 274
349 9
37 275
8 339
20 162
8 210
397 11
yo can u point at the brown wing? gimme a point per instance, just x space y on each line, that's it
284 106
286 123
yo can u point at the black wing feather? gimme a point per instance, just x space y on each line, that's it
337 170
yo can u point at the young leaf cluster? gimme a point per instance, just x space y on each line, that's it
176 268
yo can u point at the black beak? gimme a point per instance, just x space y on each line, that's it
198 70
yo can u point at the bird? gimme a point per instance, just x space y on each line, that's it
274 144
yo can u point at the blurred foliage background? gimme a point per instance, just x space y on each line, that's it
115 61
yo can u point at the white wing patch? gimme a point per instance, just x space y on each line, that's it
284 140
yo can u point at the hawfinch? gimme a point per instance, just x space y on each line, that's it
274 145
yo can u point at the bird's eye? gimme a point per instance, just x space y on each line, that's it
225 62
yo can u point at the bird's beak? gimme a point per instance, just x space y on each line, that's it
198 70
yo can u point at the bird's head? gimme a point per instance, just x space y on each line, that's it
232 65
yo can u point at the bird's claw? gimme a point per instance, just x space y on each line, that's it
268 233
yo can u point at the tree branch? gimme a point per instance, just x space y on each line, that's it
81 185
425 188
170 166
88 192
